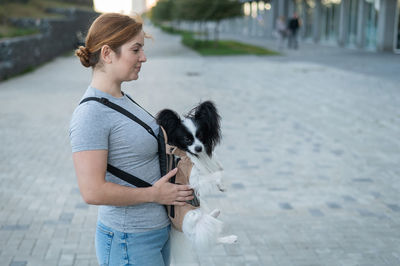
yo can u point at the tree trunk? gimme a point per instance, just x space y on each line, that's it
206 31
216 31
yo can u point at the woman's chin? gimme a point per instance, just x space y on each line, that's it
133 77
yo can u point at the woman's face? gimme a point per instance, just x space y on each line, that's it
127 65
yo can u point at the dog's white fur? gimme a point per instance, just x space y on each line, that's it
201 228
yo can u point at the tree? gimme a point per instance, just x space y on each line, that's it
207 10
197 11
223 9
162 11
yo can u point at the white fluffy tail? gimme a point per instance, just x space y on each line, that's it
181 251
201 229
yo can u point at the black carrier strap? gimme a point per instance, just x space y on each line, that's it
131 179
123 111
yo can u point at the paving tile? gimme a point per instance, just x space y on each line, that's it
394 207
18 263
285 206
316 213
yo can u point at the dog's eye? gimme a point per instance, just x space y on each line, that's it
187 140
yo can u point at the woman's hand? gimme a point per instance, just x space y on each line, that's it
167 193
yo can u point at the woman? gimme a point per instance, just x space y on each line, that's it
281 31
133 227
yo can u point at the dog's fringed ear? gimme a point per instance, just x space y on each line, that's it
207 114
168 119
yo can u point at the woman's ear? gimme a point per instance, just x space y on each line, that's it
106 54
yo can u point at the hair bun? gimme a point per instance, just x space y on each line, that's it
84 55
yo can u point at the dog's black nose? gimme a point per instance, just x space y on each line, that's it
198 148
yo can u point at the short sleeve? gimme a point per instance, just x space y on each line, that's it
89 128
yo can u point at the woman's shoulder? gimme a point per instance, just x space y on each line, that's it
91 114
91 109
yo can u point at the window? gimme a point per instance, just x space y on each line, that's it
397 36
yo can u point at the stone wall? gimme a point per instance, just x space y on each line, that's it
56 37
80 2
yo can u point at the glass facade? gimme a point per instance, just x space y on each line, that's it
371 23
330 17
397 37
352 19
309 13
298 7
356 27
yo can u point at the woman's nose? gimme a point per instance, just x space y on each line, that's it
143 58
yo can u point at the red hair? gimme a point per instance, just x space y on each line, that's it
112 29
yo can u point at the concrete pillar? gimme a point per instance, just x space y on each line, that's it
344 22
317 21
269 23
303 17
291 8
254 22
283 8
362 17
386 25
274 12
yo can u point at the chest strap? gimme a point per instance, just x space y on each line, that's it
123 111
129 178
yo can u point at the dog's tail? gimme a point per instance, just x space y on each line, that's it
202 229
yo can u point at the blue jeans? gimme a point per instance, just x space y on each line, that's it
116 248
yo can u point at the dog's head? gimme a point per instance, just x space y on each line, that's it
199 131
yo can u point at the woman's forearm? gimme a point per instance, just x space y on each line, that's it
117 195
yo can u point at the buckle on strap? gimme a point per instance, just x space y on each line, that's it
104 100
170 149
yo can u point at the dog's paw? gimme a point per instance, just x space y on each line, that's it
232 239
221 187
215 213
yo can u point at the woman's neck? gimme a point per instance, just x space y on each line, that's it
105 83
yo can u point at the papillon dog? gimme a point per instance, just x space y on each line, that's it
197 134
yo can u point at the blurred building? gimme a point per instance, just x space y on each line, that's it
360 24
139 6
120 6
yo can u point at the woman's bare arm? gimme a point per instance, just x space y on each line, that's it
90 168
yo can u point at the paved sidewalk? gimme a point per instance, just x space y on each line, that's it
311 152
385 65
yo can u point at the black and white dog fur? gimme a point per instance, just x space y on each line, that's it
197 133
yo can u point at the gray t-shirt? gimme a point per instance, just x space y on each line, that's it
131 148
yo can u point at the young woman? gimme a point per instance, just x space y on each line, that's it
133 226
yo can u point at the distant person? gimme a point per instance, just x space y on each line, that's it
281 31
293 28
132 225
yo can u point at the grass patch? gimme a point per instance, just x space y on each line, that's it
221 47
229 48
8 31
68 53
170 30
